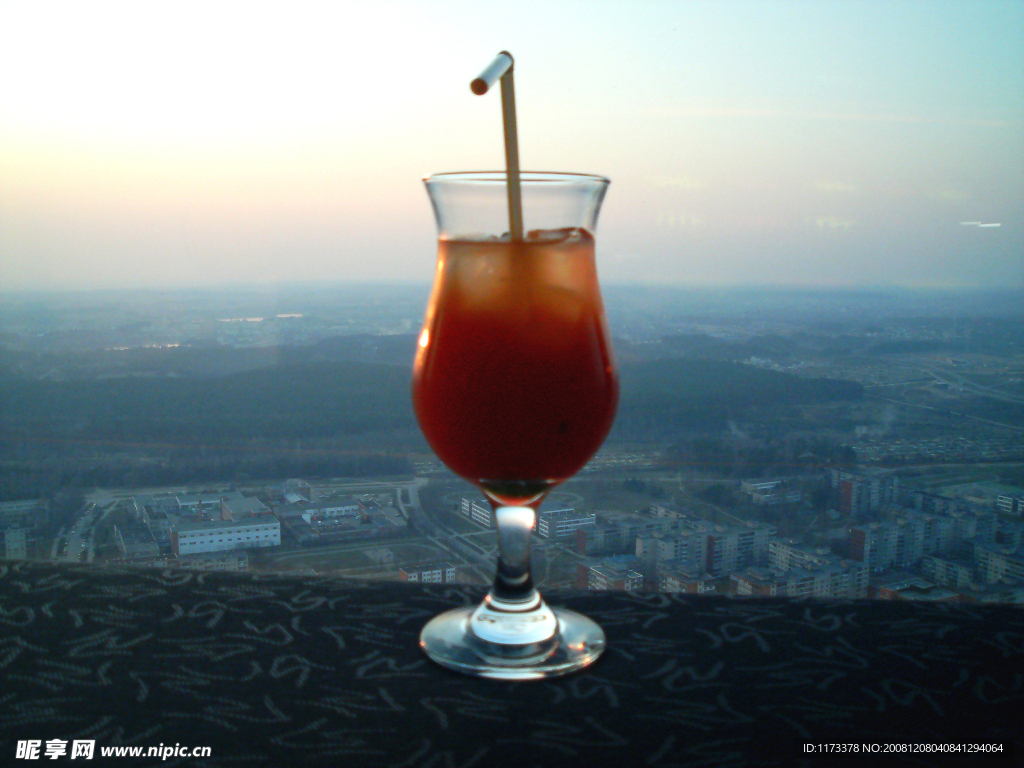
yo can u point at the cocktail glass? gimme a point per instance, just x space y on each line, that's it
515 388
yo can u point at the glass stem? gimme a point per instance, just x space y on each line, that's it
513 584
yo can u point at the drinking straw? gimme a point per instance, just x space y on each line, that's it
502 67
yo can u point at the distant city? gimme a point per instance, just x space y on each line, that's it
769 442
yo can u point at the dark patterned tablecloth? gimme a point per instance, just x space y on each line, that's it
278 671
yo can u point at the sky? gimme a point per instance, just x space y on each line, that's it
770 143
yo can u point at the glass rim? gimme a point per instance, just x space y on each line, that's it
527 177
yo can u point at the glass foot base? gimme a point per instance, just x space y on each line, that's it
448 641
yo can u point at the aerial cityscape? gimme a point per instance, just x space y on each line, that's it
462 384
789 442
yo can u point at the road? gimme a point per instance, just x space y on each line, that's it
1016 427
469 555
77 544
956 380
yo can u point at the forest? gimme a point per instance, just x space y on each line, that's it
316 418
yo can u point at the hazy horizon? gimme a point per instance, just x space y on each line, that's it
792 145
983 299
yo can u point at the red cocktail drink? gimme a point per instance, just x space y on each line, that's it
514 380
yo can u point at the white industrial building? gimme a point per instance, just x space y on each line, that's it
556 523
190 537
435 573
552 522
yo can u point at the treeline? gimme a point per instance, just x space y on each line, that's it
663 398
744 457
276 403
325 419
31 479
198 359
705 347
659 399
994 335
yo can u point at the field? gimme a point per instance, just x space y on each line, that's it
352 560
935 479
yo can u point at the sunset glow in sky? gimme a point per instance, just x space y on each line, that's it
805 143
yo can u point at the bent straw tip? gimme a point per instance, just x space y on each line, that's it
501 65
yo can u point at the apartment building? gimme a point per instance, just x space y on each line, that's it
434 573
784 554
905 540
730 548
1010 504
233 560
686 578
948 571
561 522
617 576
769 491
760 485
26 513
836 578
15 543
479 511
997 562
864 490
673 546
553 520
619 536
